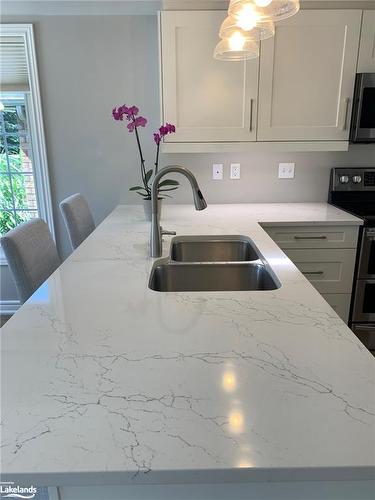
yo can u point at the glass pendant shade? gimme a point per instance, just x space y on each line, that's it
261 31
236 48
248 12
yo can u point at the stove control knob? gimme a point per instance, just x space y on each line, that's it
357 179
344 179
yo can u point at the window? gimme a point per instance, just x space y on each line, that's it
24 183
18 199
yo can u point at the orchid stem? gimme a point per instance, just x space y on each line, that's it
157 159
143 169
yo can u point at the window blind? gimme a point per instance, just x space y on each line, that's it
13 64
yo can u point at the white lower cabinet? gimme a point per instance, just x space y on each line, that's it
325 255
340 303
330 270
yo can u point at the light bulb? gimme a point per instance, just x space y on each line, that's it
247 17
236 41
262 3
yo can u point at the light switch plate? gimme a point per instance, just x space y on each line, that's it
217 171
286 170
235 170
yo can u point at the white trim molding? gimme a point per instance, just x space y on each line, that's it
252 147
36 121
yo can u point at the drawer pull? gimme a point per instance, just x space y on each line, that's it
310 237
315 273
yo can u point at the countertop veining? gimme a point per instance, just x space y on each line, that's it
105 380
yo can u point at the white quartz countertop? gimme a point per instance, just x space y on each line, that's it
105 381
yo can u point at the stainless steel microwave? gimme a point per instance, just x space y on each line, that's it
363 115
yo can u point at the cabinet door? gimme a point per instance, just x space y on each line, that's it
329 271
366 58
208 100
307 73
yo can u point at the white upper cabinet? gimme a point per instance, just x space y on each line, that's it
366 59
207 100
307 74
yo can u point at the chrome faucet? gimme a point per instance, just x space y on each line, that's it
156 230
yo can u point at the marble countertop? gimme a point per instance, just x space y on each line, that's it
105 381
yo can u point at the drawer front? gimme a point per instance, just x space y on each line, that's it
340 303
314 236
329 270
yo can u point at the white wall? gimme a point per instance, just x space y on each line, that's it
88 64
259 175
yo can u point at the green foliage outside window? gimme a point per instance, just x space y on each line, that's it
9 219
12 187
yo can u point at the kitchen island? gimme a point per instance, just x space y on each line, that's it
106 382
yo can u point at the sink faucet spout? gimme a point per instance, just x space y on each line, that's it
199 202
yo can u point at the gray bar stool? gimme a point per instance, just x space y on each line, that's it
31 254
78 218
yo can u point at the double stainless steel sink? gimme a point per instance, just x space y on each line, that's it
212 263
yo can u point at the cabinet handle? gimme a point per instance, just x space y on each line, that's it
315 273
310 237
347 100
251 114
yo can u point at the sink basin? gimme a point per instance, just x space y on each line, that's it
167 276
213 249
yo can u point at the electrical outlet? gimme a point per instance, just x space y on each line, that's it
235 170
217 171
286 170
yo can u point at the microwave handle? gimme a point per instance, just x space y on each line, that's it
345 124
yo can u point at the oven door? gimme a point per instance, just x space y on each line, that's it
367 255
363 116
364 301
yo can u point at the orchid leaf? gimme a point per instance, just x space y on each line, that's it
136 188
148 176
168 189
169 182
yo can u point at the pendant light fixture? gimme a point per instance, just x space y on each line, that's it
245 11
236 48
248 22
260 31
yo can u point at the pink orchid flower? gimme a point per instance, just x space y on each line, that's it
157 138
140 121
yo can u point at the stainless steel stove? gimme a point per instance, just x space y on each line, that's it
353 189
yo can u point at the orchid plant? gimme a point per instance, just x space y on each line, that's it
134 122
